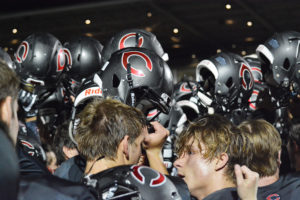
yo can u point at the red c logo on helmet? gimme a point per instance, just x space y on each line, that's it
155 182
20 58
68 56
127 36
247 81
61 62
137 174
159 180
136 72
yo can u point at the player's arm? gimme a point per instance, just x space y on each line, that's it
153 145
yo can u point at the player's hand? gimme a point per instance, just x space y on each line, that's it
157 139
247 182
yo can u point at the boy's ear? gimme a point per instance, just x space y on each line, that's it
5 110
124 146
221 161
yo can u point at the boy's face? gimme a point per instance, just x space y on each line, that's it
195 170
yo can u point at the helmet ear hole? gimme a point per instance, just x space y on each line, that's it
286 64
208 79
229 82
115 81
265 64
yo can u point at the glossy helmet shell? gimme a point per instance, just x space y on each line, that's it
279 57
141 182
255 65
86 57
40 57
227 77
148 73
133 38
183 90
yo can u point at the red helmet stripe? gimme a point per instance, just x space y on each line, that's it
127 36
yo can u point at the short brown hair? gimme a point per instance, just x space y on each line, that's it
103 124
9 82
218 135
265 144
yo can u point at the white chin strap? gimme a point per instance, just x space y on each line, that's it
266 52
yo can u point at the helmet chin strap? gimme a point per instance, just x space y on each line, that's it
130 83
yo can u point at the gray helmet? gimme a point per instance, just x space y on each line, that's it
86 57
138 77
132 182
227 77
133 38
40 58
278 56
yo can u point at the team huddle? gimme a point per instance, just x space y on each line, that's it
87 121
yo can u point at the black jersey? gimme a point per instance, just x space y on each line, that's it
286 187
52 188
223 194
72 169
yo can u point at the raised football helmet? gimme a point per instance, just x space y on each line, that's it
86 57
139 78
278 56
132 182
227 78
40 58
133 38
87 92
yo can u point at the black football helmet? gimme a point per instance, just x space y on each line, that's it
183 90
259 85
278 56
183 93
87 92
40 58
227 77
139 78
133 38
86 57
5 57
132 182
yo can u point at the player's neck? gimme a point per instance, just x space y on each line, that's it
268 180
93 167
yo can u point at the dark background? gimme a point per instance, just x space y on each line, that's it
203 25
